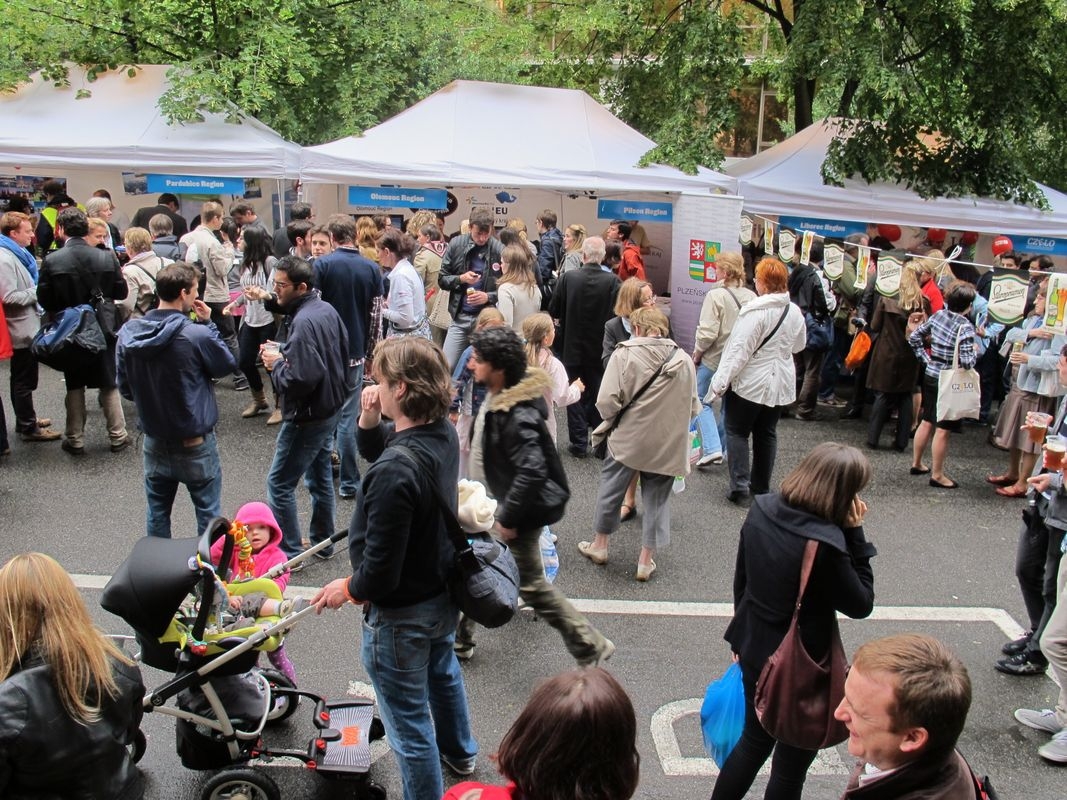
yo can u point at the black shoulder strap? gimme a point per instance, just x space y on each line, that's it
774 330
733 297
455 532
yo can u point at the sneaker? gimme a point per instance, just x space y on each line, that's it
240 384
1017 646
325 554
710 458
1028 662
464 650
287 606
73 449
120 446
1045 720
577 452
831 401
1056 750
462 767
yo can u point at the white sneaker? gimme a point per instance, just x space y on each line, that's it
1045 720
1056 750
710 458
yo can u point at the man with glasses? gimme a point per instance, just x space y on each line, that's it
311 377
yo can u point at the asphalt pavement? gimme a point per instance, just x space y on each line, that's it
945 567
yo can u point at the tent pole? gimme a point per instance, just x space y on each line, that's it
281 203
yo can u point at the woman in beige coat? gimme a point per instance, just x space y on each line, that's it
647 399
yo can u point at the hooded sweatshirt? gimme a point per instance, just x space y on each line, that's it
165 363
270 555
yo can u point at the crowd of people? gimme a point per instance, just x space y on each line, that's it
438 359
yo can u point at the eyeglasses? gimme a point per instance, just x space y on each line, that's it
281 284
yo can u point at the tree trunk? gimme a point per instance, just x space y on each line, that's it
803 98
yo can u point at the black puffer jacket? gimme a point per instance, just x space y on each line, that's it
46 755
767 578
522 466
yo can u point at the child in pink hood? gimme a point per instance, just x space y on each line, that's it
265 536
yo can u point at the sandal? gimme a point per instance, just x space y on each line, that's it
1000 480
594 554
1011 491
627 513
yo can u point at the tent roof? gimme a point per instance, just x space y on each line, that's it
474 133
786 180
121 127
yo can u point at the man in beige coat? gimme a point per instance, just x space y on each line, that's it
647 399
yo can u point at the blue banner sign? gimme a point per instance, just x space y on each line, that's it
195 184
397 197
1040 245
830 228
635 209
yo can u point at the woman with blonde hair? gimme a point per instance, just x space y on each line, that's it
140 273
516 224
539 331
717 317
518 295
647 400
366 238
573 239
70 701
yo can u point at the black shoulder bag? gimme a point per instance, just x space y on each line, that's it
484 580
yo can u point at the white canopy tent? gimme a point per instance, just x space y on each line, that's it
490 134
785 180
120 127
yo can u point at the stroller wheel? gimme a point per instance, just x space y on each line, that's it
283 704
240 784
375 792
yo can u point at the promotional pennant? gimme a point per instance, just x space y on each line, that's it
787 244
805 247
887 283
833 261
745 236
863 268
768 237
1007 296
1055 319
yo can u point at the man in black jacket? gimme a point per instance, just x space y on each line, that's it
401 554
517 458
583 303
70 277
311 378
906 700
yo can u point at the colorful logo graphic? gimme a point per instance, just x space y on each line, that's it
702 257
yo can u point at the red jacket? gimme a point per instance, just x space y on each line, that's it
632 264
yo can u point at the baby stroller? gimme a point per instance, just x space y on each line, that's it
224 701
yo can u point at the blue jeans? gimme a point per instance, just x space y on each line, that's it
169 463
408 655
712 431
302 450
346 437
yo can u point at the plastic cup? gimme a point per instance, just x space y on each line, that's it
271 348
1037 425
1055 450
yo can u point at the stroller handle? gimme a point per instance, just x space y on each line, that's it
217 527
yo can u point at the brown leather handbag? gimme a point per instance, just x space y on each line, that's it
795 695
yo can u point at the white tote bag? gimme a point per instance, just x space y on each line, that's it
959 391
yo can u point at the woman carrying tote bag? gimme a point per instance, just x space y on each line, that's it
819 500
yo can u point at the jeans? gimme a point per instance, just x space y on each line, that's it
23 385
744 419
582 415
457 338
712 431
788 769
250 339
346 436
167 464
834 361
408 655
302 450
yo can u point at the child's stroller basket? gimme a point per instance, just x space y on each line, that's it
224 701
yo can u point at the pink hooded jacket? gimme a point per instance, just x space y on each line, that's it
271 555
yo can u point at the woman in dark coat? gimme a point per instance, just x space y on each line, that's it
894 371
818 500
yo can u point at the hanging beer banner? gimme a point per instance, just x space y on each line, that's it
745 236
863 267
1055 306
1007 296
768 237
805 247
888 281
787 245
833 261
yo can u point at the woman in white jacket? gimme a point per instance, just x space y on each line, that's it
756 379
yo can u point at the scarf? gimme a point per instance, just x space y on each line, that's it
22 254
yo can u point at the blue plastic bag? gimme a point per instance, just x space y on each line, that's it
722 716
